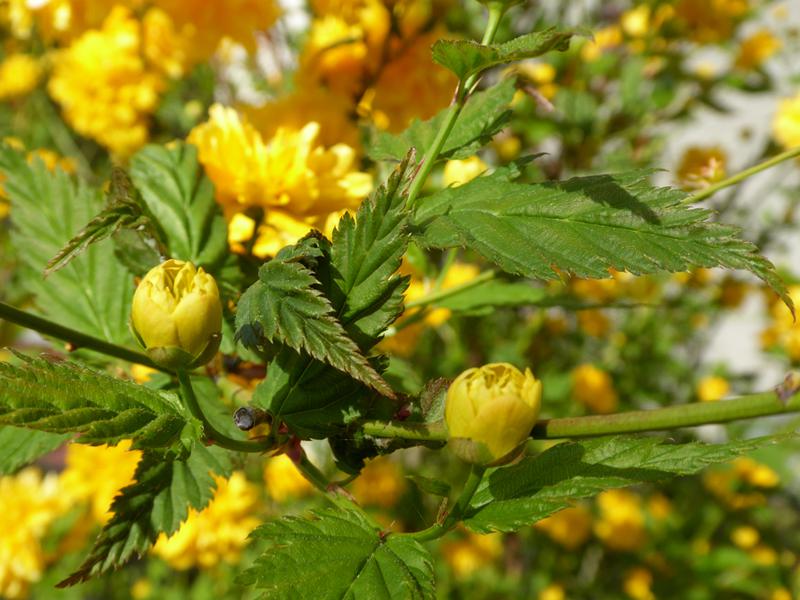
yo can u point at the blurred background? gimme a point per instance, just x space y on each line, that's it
695 89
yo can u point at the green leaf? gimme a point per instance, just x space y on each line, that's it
484 114
334 555
484 297
123 211
92 294
61 397
181 198
467 57
23 446
157 502
513 497
586 226
286 306
359 277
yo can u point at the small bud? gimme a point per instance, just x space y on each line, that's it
177 315
490 412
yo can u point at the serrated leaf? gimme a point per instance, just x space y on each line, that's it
360 278
484 114
92 294
520 495
429 485
286 306
157 502
338 555
586 226
23 446
122 211
467 57
181 198
60 397
484 297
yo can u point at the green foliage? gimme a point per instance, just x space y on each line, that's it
123 211
165 488
466 57
92 294
23 446
59 397
358 277
520 495
338 555
286 306
483 297
586 226
181 199
484 114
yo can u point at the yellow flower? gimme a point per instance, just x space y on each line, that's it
166 48
290 174
19 74
284 482
50 159
104 86
593 388
701 166
726 482
95 474
177 314
604 39
554 591
711 21
542 75
380 483
756 49
569 528
621 523
411 85
471 553
459 172
207 22
636 21
712 388
637 584
764 555
593 322
786 124
745 537
490 412
29 503
218 532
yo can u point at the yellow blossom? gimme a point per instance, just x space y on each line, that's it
701 166
764 555
29 503
19 74
710 21
756 49
636 21
475 551
659 506
569 528
780 594
97 473
293 178
459 172
712 388
412 86
593 322
380 483
216 533
594 388
745 537
542 75
284 482
106 89
726 483
207 22
554 591
604 39
637 584
620 525
786 124
50 159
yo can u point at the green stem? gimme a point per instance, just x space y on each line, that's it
496 11
451 291
332 492
742 175
637 421
212 434
457 512
76 338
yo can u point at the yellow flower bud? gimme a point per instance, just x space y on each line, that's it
490 412
177 315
